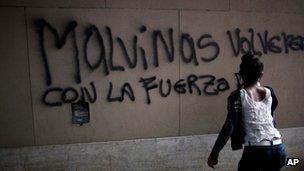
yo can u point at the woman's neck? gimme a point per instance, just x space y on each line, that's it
257 84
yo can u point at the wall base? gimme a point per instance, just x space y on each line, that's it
171 153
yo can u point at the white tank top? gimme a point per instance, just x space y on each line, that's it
257 118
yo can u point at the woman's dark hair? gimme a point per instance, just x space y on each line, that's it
251 69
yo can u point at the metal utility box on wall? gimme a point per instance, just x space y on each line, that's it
80 112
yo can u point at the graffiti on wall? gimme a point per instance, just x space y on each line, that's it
187 46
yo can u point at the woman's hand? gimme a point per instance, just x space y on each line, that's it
212 161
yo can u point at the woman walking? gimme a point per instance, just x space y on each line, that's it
250 122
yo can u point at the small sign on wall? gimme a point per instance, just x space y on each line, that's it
80 113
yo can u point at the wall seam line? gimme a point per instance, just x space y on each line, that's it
29 70
229 7
179 75
159 9
13 6
52 7
106 6
115 8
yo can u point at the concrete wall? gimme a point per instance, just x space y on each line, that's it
26 121
172 153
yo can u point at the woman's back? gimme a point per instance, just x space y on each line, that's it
257 119
257 93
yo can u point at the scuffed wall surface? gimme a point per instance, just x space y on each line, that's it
172 153
26 120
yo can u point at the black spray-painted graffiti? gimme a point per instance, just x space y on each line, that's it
191 52
130 56
193 84
69 95
206 84
282 43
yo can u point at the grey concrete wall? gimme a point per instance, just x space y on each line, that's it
171 153
26 121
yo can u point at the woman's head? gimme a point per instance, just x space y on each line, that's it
251 69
